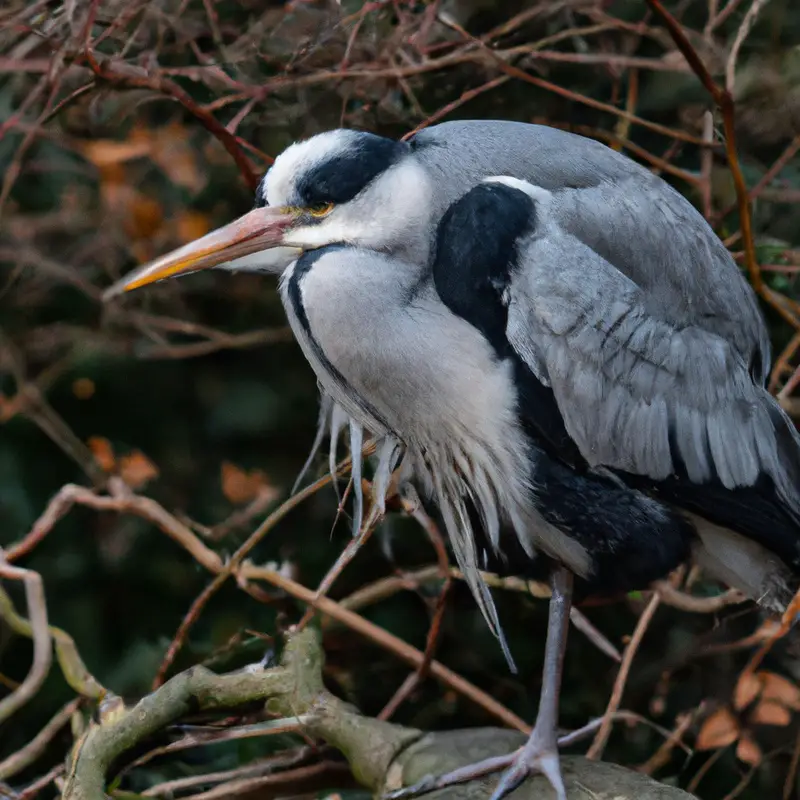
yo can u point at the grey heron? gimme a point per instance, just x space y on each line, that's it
550 341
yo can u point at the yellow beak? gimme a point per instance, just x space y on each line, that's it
259 229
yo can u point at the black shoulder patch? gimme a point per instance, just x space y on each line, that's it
476 247
345 174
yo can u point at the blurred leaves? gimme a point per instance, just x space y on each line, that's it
720 729
240 486
135 468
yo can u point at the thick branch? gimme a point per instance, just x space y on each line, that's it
293 690
382 756
583 779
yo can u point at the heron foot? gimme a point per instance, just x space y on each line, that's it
469 772
535 756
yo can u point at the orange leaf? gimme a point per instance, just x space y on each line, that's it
748 751
144 217
747 688
175 155
83 388
191 225
240 486
781 690
136 469
768 712
103 452
104 152
719 730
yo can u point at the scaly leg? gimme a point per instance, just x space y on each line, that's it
540 752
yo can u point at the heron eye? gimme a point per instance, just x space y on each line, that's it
320 209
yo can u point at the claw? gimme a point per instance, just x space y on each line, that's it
533 757
427 784
530 759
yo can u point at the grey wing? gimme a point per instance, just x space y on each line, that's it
637 391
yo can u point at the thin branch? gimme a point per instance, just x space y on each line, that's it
187 622
724 101
125 75
744 29
42 642
72 667
697 605
791 775
33 789
662 756
413 680
23 758
599 743
389 642
124 501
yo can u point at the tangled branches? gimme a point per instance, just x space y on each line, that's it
130 127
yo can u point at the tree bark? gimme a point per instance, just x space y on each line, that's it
382 756
435 753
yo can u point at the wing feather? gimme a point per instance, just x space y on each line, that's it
640 393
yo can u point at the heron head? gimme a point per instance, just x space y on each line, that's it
338 187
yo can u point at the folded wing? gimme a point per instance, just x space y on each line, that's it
674 404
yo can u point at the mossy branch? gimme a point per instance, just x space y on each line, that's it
381 755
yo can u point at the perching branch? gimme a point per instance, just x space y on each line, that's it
382 756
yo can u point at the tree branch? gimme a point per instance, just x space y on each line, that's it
382 756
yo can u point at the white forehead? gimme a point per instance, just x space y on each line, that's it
300 157
534 192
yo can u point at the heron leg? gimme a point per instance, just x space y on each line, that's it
540 752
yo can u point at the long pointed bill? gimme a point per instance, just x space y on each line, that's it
259 229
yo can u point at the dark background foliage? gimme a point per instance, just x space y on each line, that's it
127 128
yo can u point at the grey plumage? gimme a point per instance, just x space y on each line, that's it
462 445
564 355
627 379
621 301
618 209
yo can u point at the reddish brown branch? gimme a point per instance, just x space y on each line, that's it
724 101
183 630
599 743
128 76
124 501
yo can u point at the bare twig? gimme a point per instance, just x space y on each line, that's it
125 75
791 775
388 641
662 756
42 643
697 605
183 630
599 743
744 29
416 677
123 500
23 758
33 789
72 667
724 101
